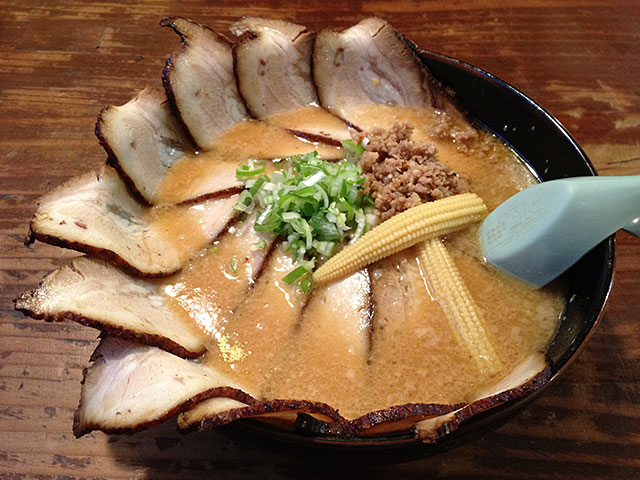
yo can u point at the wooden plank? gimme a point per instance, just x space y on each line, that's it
61 62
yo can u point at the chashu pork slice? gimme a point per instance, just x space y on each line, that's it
97 294
143 140
169 313
218 411
324 340
527 377
200 82
367 64
273 66
329 347
212 285
254 329
96 214
130 387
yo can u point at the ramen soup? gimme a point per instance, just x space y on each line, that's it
375 338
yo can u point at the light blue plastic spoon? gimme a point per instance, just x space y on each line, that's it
543 230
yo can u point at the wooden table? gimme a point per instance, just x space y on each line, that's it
60 62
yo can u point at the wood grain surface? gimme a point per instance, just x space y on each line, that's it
60 62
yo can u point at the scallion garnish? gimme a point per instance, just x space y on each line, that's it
233 266
294 275
313 206
259 245
253 168
352 151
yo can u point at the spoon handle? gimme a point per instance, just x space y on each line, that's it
618 200
540 232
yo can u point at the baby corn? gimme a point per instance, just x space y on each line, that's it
456 303
402 231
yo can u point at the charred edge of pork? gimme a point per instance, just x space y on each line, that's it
171 98
492 401
351 125
269 406
227 392
370 326
314 137
101 253
442 95
166 74
399 412
150 339
245 37
311 426
169 65
112 160
263 265
226 192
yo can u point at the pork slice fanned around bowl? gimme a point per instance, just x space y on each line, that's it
143 140
367 64
95 293
130 387
200 82
273 66
146 143
96 214
372 64
329 345
523 380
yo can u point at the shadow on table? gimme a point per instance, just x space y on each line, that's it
232 452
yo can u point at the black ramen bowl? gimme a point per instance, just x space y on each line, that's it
551 153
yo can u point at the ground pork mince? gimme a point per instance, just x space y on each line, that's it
402 173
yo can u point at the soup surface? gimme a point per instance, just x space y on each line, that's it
376 338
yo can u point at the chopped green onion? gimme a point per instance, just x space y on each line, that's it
245 203
314 206
352 151
251 170
294 275
213 250
257 183
259 245
306 284
233 265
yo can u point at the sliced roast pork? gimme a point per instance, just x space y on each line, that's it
95 293
273 66
200 82
364 65
143 139
169 314
329 347
130 387
255 329
526 378
96 213
212 285
219 411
